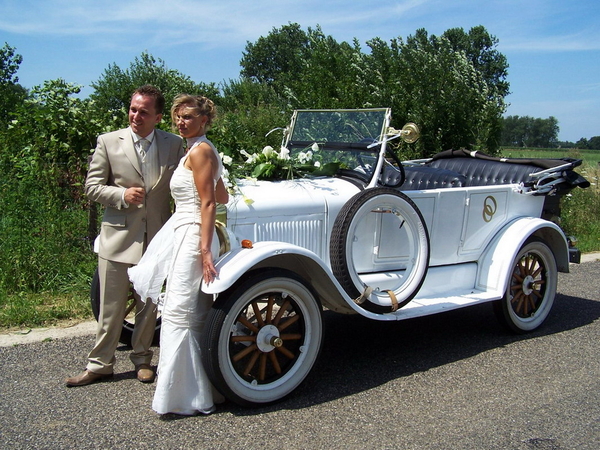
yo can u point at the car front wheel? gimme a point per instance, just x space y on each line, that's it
262 338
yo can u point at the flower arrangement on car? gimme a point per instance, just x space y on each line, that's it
273 165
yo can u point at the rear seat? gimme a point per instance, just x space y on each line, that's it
481 172
425 177
461 168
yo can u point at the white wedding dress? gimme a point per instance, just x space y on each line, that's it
182 385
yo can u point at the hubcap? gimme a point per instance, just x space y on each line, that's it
266 338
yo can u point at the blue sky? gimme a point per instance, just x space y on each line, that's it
552 46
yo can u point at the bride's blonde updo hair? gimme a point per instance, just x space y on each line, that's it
202 106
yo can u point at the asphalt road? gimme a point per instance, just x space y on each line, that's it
451 381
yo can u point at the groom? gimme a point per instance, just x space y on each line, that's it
129 174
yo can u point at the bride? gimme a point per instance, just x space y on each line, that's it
196 186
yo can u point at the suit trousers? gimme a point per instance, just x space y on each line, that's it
114 292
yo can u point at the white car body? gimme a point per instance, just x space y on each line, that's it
469 257
358 243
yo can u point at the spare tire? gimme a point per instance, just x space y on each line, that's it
379 249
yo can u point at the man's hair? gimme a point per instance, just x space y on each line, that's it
148 90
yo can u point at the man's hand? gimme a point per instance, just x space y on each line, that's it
134 195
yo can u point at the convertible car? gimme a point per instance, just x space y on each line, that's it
376 236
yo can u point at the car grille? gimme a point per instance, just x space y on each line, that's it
304 233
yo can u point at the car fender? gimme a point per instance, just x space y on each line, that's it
233 265
497 259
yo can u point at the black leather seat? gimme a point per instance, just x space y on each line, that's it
480 172
426 177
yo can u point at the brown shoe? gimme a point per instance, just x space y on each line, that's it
144 373
86 377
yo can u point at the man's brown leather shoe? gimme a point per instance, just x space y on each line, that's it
144 373
86 377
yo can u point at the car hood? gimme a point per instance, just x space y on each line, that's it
277 199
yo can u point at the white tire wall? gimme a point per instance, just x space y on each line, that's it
262 337
531 288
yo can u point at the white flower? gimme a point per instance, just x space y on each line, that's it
315 147
302 157
227 160
284 154
317 164
250 158
268 151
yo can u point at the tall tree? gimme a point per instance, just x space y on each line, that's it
277 58
431 81
112 92
526 131
11 92
594 143
480 48
453 86
248 110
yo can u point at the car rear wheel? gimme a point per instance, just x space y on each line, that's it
128 320
531 288
262 338
379 249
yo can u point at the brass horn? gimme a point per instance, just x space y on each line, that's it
410 133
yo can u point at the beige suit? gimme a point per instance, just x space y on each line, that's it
125 232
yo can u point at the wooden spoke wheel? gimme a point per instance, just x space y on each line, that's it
531 288
262 338
128 320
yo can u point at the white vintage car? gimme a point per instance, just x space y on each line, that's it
385 239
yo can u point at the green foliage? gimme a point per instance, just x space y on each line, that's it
43 245
11 93
43 216
276 59
24 309
112 92
527 131
440 89
590 144
452 86
247 111
580 213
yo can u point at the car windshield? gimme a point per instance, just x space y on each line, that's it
349 137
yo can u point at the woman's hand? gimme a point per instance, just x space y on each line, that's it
209 271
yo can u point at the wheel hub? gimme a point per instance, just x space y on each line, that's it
268 338
528 282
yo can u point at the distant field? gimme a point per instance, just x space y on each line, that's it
591 157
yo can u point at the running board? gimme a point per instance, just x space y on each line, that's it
419 307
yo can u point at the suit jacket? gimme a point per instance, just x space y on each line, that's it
114 168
